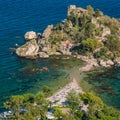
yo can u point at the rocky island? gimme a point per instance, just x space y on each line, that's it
84 33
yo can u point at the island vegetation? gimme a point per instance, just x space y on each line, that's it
84 106
85 33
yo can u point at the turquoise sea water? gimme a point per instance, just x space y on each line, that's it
106 83
19 16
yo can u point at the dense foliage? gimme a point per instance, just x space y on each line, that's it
32 107
90 30
27 107
97 110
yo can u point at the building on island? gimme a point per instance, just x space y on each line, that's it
76 10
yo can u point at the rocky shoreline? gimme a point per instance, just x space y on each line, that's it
60 40
59 98
31 49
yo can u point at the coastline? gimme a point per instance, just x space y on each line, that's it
18 81
59 98
78 84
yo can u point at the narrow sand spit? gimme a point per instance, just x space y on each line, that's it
60 97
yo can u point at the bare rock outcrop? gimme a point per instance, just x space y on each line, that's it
30 35
43 55
117 61
107 63
47 31
106 31
28 50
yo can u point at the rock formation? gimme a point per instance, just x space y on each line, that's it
107 63
47 31
43 55
117 61
28 50
30 35
68 38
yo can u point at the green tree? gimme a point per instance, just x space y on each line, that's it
68 117
14 104
98 110
40 98
76 20
72 18
98 13
98 32
58 26
73 99
47 90
29 98
90 44
113 43
83 19
78 114
90 29
58 113
32 112
90 9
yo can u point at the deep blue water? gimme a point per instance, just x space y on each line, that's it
19 16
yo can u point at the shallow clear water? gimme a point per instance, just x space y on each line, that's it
19 16
28 77
106 83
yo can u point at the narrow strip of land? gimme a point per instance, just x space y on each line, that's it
59 98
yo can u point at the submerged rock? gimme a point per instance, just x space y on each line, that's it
30 35
28 50
40 69
104 89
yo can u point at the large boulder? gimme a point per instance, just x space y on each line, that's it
103 63
30 35
110 62
28 50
